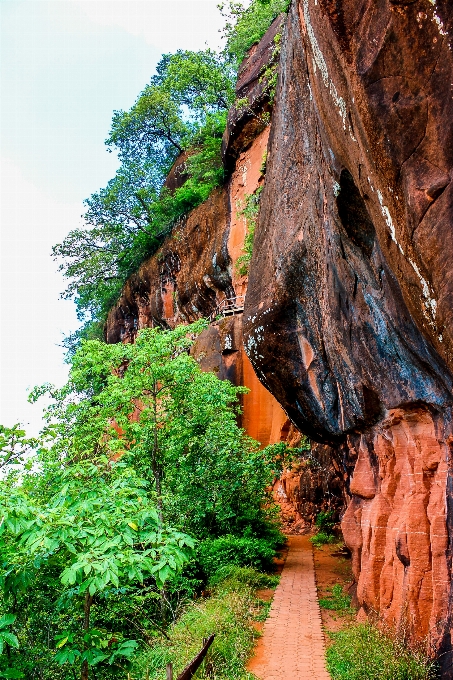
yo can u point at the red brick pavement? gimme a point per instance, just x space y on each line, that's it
292 646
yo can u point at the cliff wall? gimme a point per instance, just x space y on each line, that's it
195 269
347 318
346 332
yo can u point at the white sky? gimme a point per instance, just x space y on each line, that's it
65 66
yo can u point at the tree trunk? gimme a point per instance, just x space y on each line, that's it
86 627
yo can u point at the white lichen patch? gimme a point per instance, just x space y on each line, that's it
320 62
228 342
430 302
336 189
438 20
388 218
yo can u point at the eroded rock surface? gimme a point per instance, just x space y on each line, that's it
349 303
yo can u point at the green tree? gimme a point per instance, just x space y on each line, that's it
150 403
99 531
182 109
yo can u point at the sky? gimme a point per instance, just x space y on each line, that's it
65 66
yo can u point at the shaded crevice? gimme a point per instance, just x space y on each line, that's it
354 215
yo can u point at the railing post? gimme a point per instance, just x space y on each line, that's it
169 671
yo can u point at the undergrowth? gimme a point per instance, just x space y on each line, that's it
337 600
227 613
362 652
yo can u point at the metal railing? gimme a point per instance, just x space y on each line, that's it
191 668
228 307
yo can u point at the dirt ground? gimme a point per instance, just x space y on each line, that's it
332 566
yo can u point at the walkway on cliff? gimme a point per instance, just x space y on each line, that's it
292 645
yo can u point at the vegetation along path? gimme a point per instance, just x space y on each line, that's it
292 645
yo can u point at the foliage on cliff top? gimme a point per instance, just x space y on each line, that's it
182 109
246 25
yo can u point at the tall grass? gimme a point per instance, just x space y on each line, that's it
362 652
228 613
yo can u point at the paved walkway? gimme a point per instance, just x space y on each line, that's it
292 645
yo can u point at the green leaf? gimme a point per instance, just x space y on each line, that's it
11 673
9 638
7 620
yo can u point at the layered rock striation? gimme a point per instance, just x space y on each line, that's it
349 302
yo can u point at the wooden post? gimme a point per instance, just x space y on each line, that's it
169 671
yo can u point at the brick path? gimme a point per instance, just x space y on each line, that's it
292 645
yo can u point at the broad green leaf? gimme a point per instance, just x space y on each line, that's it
9 638
7 620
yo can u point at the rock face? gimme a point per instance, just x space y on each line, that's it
349 302
313 485
195 270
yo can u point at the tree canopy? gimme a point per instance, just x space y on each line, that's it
140 459
183 108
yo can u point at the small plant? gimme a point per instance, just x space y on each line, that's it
270 72
250 213
362 652
321 538
325 522
263 166
337 601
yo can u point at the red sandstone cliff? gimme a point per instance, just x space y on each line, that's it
347 319
348 311
195 269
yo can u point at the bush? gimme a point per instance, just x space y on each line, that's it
228 578
362 652
325 522
217 553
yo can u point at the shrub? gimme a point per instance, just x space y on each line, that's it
362 652
217 553
324 521
230 576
